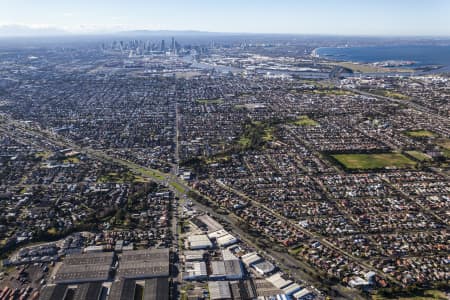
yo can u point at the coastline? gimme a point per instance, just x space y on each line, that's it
417 58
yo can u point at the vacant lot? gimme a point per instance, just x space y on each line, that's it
420 133
419 155
210 101
425 295
374 161
305 121
367 68
445 145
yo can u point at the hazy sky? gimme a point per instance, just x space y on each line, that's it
355 17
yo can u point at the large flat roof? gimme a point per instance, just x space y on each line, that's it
122 290
89 267
212 224
144 264
88 291
219 290
53 292
156 289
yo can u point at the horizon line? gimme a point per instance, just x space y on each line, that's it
62 32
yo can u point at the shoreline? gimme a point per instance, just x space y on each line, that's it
386 65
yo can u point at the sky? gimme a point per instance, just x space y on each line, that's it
333 17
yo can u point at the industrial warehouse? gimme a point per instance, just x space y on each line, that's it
105 275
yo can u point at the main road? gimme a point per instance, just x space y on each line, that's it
180 188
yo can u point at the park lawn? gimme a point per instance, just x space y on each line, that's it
305 121
420 156
427 295
244 142
178 187
52 231
140 179
71 160
239 106
420 133
374 161
295 251
43 154
396 95
210 101
367 68
336 92
217 158
268 134
445 145
157 175
117 178
255 135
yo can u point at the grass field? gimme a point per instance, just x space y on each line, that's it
305 121
178 187
366 68
335 92
427 295
157 175
445 145
420 156
255 135
44 154
389 94
71 160
395 95
374 161
420 133
210 101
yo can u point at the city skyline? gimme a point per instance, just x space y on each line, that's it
384 18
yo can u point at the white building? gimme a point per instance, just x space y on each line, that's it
228 269
219 290
251 258
195 271
226 240
278 281
198 242
263 267
292 289
303 294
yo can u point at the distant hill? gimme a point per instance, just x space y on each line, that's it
24 31
169 33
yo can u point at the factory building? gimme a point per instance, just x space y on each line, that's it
90 267
141 264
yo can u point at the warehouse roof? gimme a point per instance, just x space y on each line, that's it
278 281
53 292
302 293
88 291
199 241
122 290
77 268
144 264
193 255
226 240
250 258
230 269
156 289
212 224
219 290
195 270
291 289
264 267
